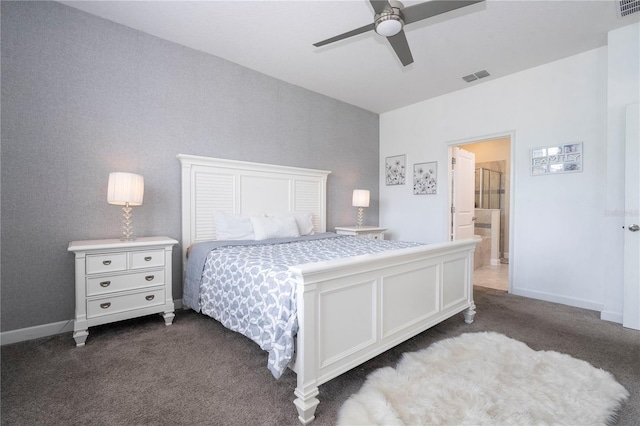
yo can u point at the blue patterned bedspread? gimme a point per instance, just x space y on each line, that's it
247 286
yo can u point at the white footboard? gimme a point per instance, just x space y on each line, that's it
350 310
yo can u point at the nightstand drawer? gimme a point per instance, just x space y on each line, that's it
374 236
128 302
110 262
146 259
110 284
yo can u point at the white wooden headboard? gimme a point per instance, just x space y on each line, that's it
240 187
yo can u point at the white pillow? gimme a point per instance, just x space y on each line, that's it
274 227
305 222
232 227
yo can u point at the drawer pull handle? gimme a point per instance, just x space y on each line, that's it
147 259
149 277
106 262
150 297
105 305
105 283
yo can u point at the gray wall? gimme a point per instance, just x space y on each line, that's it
82 97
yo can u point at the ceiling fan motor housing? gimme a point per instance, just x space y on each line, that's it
389 22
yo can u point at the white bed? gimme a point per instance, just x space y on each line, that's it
391 296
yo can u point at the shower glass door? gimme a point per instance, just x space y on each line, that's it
488 189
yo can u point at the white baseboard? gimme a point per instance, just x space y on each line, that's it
46 330
611 316
36 332
550 297
495 262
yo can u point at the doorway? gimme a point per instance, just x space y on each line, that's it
492 208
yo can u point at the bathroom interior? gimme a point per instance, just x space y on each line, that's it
491 261
489 213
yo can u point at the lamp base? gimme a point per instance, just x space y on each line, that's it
360 217
127 224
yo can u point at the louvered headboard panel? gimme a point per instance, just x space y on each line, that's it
240 187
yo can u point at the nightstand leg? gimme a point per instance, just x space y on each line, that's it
168 317
80 337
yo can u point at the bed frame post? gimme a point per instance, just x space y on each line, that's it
305 361
470 312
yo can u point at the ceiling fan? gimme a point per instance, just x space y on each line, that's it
391 16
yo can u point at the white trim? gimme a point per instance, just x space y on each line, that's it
611 316
36 332
46 330
550 297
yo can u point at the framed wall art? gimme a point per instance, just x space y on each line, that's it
566 158
425 178
395 170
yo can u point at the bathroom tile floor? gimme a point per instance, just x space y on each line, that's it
496 277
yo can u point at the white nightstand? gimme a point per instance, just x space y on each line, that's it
117 280
371 232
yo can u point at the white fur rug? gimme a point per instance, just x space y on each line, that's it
485 379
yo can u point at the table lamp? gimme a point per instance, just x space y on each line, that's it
360 200
127 190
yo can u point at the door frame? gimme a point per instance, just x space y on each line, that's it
511 134
631 291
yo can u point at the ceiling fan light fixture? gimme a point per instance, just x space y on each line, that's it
389 23
390 17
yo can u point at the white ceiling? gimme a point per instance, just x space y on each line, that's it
276 37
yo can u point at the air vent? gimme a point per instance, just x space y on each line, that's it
628 7
476 75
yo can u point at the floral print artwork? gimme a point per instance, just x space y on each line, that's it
395 170
425 178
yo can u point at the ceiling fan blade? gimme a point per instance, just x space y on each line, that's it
379 5
401 47
346 35
428 9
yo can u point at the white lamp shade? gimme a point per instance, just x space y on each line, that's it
360 198
125 188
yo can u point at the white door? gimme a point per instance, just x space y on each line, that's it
463 197
631 308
